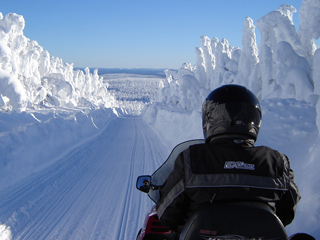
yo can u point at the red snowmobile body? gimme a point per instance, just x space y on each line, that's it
152 228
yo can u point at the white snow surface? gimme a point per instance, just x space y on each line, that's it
72 142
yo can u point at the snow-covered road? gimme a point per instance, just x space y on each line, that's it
90 192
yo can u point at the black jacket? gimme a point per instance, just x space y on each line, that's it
206 174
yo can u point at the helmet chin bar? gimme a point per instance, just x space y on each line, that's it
222 137
224 130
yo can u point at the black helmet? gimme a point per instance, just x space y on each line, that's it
231 111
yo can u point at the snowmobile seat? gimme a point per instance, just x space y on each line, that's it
245 220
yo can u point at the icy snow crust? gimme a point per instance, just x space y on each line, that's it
72 142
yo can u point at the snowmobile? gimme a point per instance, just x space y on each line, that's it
226 221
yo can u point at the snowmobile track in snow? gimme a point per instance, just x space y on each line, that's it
90 192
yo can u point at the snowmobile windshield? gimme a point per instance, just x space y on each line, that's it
161 174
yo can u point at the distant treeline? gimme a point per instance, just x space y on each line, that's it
139 71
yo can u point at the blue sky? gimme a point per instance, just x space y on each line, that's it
135 33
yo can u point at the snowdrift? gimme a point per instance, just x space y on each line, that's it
31 141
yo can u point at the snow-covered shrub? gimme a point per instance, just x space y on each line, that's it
284 65
31 78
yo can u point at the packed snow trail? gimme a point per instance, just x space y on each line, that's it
90 192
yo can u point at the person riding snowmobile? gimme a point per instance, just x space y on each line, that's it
228 167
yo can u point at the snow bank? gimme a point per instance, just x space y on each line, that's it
174 125
308 211
32 141
32 79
